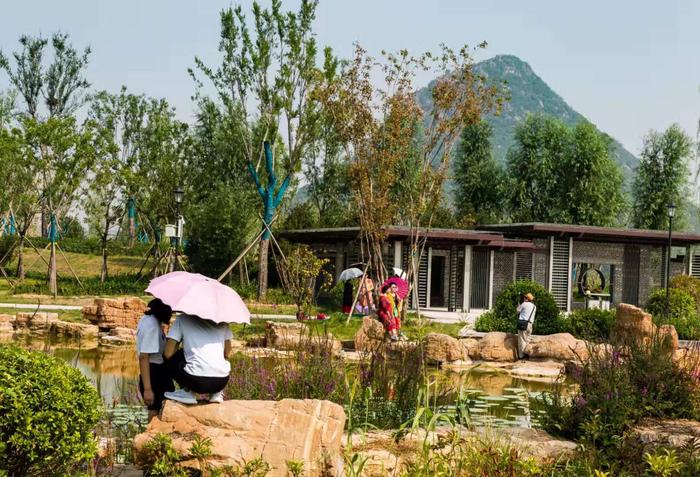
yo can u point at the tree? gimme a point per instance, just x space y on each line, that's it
563 174
480 182
662 178
265 82
592 180
399 151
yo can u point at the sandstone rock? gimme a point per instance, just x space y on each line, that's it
442 348
537 444
670 335
74 330
471 346
559 346
370 337
108 313
6 327
632 325
7 318
668 432
297 336
309 431
498 346
124 333
39 322
110 340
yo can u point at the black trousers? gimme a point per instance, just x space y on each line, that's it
161 382
197 384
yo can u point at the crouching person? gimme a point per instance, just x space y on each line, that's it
197 353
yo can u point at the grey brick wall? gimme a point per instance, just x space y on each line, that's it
503 268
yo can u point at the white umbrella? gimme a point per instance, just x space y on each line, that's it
399 273
349 274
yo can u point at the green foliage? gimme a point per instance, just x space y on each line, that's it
503 316
48 411
682 312
591 325
616 388
480 181
69 286
300 270
563 174
662 178
690 285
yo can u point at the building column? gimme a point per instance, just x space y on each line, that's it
568 288
430 274
466 294
398 259
339 260
551 264
491 260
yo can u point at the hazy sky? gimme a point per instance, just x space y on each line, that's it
629 66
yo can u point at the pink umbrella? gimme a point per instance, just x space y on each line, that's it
198 295
401 285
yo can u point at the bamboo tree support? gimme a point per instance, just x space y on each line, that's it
70 267
29 267
357 295
245 251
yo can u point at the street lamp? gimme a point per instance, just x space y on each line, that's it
671 214
179 194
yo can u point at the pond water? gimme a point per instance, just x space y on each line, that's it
493 397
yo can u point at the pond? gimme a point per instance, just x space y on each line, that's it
494 398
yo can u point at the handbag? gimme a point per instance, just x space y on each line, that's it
522 324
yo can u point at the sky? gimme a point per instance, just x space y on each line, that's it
628 66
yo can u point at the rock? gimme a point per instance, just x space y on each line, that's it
110 340
441 348
297 336
551 370
39 322
559 346
471 346
498 346
74 330
108 313
309 431
667 432
370 337
536 443
125 333
6 327
670 335
632 325
7 318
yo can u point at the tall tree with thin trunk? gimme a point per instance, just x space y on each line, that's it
264 81
662 178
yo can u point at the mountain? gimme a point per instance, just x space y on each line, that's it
528 94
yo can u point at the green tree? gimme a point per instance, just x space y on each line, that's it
266 81
591 179
480 182
563 174
662 178
541 146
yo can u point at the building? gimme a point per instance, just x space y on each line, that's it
464 270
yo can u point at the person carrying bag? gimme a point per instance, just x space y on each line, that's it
526 319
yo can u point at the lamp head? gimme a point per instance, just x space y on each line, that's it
179 194
671 210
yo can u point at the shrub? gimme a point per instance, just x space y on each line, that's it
69 286
682 312
592 325
690 285
48 411
503 317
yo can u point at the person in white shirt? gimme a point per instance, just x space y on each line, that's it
201 365
526 311
154 380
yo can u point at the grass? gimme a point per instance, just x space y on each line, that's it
74 316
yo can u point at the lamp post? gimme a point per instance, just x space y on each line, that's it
671 214
179 194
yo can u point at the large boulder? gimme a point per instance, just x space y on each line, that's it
37 323
6 318
471 347
669 334
66 329
108 313
498 346
440 348
370 337
297 336
632 325
309 431
559 347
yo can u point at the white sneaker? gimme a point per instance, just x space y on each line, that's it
217 397
181 395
